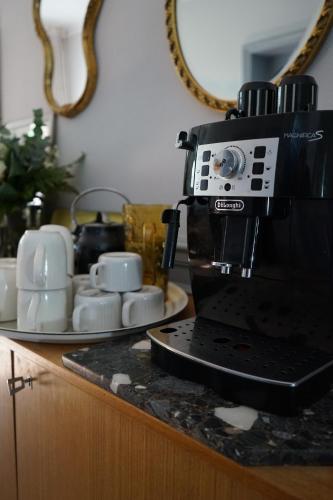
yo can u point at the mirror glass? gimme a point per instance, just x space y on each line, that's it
228 42
63 22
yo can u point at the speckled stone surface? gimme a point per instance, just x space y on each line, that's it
190 408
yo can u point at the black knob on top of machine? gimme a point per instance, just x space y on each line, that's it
257 98
297 93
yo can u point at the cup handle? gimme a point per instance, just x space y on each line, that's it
93 275
76 320
126 312
32 313
3 294
39 275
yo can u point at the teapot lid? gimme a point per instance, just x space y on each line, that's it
97 224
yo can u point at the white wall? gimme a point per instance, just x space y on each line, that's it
128 130
21 62
213 45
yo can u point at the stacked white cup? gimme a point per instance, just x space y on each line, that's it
42 282
8 295
117 298
68 240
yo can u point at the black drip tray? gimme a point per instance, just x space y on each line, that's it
264 372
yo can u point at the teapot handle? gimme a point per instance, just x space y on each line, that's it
88 191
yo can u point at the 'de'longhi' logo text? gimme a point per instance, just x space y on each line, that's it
230 205
309 136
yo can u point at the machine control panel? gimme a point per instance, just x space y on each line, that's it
238 168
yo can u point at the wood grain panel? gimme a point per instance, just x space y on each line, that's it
73 446
306 483
7 437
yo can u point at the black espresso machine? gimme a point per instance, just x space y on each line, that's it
259 202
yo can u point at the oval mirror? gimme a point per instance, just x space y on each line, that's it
219 44
66 29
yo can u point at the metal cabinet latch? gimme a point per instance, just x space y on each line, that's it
16 384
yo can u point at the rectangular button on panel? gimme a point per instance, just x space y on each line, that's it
256 184
258 168
204 185
206 156
260 152
205 170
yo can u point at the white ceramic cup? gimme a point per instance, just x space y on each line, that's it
66 234
143 307
8 291
80 282
117 272
96 311
44 311
41 261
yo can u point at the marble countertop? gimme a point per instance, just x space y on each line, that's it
123 367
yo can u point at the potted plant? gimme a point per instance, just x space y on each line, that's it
28 165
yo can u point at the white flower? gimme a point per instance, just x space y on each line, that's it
2 170
55 151
3 150
48 163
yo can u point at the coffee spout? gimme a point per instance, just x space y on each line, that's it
250 246
246 272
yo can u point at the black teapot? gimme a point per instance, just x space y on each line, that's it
96 237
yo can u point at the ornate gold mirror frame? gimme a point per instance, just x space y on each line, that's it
71 109
300 63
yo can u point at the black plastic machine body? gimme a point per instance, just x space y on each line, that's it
260 246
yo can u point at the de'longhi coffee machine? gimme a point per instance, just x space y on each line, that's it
259 196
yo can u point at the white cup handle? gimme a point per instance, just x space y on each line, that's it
39 275
32 313
93 275
3 294
76 320
126 312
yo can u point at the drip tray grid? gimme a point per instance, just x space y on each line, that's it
245 360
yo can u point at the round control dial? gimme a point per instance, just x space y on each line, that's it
229 162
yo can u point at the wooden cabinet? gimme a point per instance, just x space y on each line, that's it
7 430
77 441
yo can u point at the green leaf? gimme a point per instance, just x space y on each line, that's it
8 193
4 131
15 165
38 122
31 165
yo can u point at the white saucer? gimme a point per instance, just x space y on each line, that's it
176 301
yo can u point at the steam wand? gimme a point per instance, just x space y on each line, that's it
171 217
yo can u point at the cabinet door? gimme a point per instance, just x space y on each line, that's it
7 433
53 459
71 445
